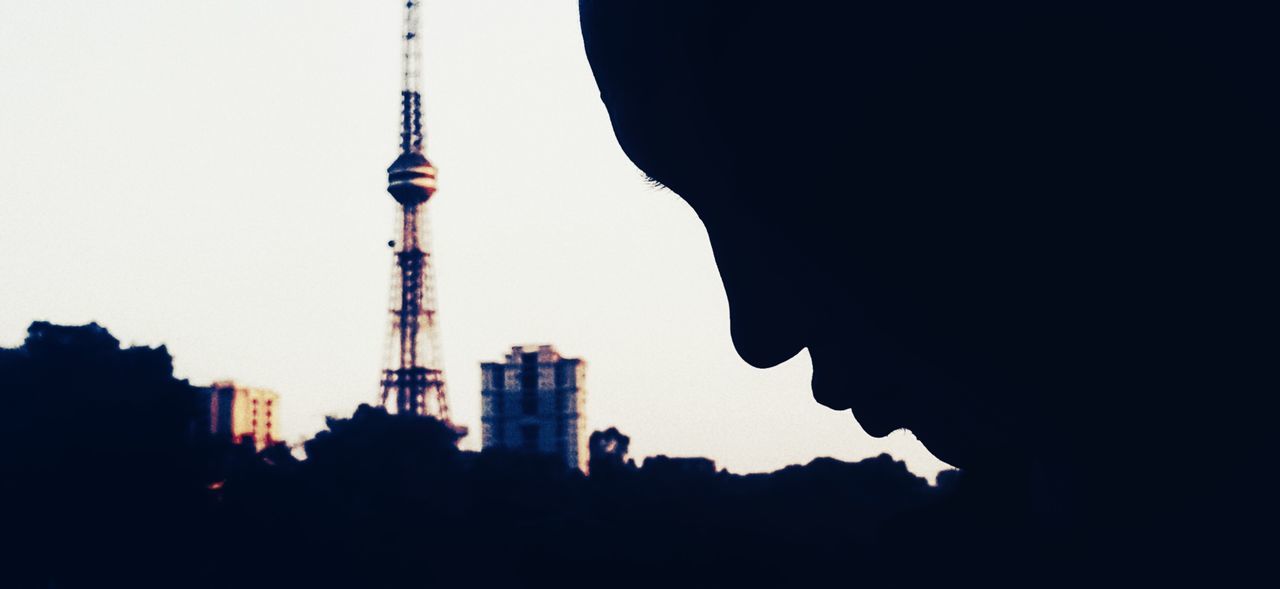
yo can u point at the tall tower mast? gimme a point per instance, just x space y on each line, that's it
413 376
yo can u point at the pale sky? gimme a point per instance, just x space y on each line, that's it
211 176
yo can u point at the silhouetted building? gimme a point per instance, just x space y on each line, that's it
535 401
242 414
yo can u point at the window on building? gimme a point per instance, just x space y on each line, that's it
497 377
529 382
530 435
567 375
530 401
529 367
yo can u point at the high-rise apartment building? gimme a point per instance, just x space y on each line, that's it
242 414
535 401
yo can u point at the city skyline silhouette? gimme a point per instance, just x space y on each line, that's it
233 159
869 293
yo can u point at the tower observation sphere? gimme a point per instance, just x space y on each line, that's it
413 373
411 179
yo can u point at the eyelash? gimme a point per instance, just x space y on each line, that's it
651 181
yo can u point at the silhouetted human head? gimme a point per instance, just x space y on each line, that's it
1025 233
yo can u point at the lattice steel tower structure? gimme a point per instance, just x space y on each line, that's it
413 376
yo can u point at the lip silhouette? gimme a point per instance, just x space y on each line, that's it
861 388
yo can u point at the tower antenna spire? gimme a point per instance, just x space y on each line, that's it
411 137
413 374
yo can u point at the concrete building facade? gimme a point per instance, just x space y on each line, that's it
535 401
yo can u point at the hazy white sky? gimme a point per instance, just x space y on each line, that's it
210 176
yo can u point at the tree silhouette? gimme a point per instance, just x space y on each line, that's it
112 486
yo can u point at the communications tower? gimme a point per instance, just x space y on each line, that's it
413 377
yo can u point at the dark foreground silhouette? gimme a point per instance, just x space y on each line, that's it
106 485
1039 235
